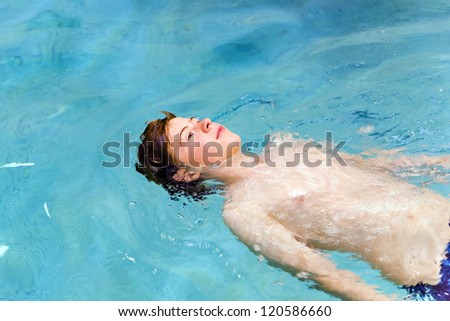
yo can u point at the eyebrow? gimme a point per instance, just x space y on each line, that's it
181 133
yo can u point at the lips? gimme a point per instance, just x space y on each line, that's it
219 130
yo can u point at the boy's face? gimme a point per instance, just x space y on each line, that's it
198 143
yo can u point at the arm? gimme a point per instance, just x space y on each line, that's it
266 236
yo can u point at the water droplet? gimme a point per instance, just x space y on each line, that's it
199 221
132 204
366 129
262 117
302 275
359 64
180 215
3 249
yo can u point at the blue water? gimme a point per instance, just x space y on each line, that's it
77 74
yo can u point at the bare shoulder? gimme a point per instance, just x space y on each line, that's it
244 203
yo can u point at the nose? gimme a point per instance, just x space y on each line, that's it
205 125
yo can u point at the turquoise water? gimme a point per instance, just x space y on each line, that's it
75 75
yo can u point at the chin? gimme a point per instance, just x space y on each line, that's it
234 138
235 141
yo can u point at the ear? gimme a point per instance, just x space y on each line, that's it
182 175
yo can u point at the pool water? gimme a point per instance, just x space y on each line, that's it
76 75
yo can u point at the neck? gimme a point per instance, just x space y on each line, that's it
232 170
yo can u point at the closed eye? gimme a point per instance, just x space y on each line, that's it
191 134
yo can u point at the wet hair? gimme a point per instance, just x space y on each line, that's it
158 165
